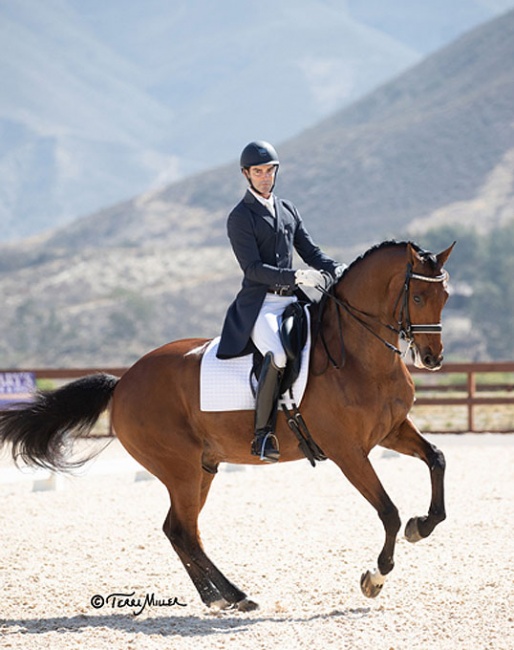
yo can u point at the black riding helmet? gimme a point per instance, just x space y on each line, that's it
258 153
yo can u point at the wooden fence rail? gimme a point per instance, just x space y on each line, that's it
432 389
468 385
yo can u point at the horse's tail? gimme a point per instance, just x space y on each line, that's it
42 432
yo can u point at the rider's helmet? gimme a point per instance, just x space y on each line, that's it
258 153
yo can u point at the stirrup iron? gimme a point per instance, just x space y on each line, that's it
265 445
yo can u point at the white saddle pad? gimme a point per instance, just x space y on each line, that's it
225 383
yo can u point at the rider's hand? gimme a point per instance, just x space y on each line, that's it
309 278
339 270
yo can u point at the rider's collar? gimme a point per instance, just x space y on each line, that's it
267 203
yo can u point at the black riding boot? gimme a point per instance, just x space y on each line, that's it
265 443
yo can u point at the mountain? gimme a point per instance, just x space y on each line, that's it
102 101
407 155
107 287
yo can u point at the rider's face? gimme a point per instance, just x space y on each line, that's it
262 177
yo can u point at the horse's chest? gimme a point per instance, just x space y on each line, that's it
388 402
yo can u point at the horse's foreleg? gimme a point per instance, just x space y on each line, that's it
180 527
361 474
408 440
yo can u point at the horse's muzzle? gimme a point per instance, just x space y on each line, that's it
426 359
430 362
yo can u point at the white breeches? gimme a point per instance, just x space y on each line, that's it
266 331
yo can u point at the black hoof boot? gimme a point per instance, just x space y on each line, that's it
265 445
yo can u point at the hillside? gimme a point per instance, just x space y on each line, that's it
407 153
102 101
417 146
113 285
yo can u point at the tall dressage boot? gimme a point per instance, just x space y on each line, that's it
265 443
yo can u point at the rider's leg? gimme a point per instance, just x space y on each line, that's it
266 337
265 444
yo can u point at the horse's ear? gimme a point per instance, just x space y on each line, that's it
413 254
444 255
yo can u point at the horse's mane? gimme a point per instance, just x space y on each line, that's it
425 255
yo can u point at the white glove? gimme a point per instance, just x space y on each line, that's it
309 278
339 270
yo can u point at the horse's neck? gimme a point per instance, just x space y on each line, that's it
364 329
370 285
365 340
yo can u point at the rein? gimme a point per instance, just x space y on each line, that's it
405 329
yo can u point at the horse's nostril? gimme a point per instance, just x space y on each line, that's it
432 362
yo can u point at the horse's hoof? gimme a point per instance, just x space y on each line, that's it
412 533
372 583
246 605
219 605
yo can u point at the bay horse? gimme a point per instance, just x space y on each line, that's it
359 394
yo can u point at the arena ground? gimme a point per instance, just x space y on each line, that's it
296 539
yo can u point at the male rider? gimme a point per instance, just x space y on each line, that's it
264 230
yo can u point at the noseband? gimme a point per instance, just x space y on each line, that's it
404 328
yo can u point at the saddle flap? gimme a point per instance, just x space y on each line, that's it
293 335
293 330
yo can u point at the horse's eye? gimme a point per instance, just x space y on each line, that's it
417 299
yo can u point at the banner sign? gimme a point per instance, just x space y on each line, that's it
17 386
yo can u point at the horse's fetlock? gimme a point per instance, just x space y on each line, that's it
385 564
437 515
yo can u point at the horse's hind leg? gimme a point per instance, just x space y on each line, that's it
181 529
408 440
209 594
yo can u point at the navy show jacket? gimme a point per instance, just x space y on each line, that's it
263 246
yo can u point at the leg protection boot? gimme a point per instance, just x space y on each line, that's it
265 443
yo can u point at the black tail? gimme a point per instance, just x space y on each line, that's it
41 433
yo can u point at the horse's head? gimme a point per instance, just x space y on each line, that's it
421 303
395 289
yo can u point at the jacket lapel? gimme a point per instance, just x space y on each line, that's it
281 217
258 208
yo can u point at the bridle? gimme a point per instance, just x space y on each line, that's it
404 328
